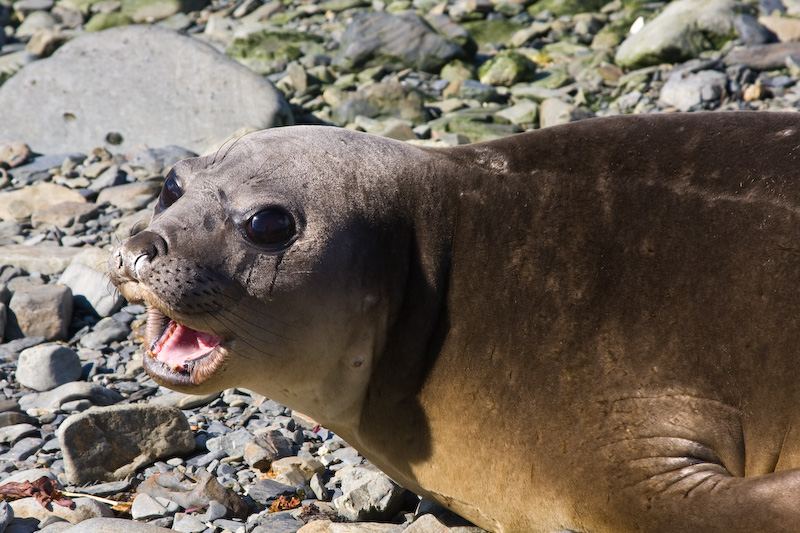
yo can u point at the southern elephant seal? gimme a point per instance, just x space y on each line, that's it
593 327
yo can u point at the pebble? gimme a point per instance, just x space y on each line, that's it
74 179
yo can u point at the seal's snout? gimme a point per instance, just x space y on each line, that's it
134 256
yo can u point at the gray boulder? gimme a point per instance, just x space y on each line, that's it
683 30
177 90
395 42
111 443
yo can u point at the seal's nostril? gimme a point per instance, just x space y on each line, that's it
136 264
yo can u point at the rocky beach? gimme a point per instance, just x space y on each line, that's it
99 98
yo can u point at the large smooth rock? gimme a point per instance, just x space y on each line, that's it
178 90
765 56
111 443
683 30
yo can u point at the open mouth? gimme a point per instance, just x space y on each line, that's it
177 355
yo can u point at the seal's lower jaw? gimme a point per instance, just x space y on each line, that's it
178 356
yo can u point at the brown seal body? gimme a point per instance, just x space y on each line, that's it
591 327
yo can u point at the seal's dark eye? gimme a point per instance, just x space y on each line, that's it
270 227
170 192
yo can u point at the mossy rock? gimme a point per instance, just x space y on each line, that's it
340 5
566 7
477 128
104 21
458 71
261 48
486 32
682 31
507 68
551 77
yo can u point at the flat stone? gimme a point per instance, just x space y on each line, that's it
232 444
145 506
281 522
524 112
11 434
130 196
188 524
51 401
764 56
265 491
183 401
31 474
69 102
48 366
85 508
111 443
45 258
63 214
44 310
22 449
326 526
115 525
107 489
19 205
13 418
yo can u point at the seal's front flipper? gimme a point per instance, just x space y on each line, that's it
698 468
703 497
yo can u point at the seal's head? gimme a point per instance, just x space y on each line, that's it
268 265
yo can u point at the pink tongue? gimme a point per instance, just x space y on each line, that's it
179 345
